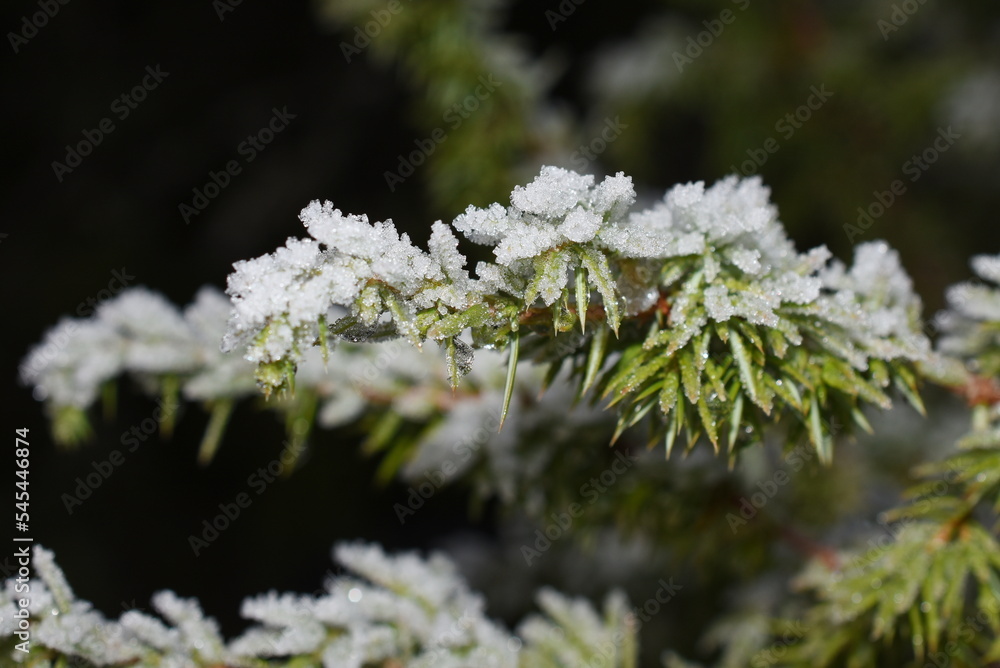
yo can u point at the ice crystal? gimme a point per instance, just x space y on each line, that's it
690 216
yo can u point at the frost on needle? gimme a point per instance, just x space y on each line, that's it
717 318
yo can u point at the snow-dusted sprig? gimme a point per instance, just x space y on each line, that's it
720 309
967 358
741 322
971 325
64 627
281 300
141 334
754 326
406 609
401 610
419 420
175 354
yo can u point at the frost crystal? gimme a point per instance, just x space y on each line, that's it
559 206
279 299
733 229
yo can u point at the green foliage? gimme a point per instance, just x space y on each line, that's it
733 375
929 587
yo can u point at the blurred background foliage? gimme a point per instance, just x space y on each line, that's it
567 72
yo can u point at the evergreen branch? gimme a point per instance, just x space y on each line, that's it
703 287
703 293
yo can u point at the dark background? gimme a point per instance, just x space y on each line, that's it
119 211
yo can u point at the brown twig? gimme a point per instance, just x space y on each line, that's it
543 316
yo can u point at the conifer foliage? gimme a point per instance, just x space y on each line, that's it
645 368
695 315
